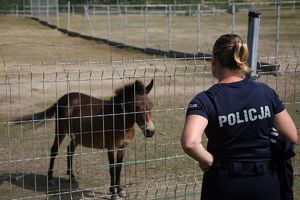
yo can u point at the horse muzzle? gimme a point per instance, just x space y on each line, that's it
148 129
149 133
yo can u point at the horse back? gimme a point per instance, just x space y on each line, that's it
93 122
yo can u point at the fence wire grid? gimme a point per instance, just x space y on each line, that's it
153 168
189 28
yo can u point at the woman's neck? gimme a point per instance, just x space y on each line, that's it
229 76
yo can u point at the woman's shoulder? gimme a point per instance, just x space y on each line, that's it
213 90
258 84
210 92
264 89
200 95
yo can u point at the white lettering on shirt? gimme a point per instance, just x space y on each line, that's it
251 114
192 105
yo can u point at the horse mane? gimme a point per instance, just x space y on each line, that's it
130 89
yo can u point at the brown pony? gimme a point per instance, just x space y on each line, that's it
98 123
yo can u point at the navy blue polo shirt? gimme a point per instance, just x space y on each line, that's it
239 116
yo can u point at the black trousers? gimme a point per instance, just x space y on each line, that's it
285 173
224 184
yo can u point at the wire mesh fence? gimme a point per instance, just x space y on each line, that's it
153 168
189 28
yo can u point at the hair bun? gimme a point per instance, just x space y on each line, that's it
231 52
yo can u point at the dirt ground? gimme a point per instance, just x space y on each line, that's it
25 40
38 64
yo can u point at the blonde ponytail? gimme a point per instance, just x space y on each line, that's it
241 55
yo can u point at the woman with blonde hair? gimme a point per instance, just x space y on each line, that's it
235 114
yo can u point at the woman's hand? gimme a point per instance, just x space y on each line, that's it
204 167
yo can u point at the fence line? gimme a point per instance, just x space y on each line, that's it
155 168
171 30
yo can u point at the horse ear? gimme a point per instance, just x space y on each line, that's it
149 87
139 87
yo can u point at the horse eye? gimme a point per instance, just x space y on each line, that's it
138 108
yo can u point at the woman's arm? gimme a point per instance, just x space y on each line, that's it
286 126
191 140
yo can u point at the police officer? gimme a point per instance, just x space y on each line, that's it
235 114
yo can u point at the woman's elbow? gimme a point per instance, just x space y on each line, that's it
292 135
187 146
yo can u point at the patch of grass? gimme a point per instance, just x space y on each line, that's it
132 50
184 35
158 160
24 40
5 190
93 182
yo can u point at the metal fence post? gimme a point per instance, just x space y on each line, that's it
233 18
294 5
39 9
198 28
146 27
108 22
69 16
86 13
57 13
17 11
31 8
277 32
47 11
24 9
252 40
170 29
125 26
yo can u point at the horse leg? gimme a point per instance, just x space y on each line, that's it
115 165
120 156
59 136
71 150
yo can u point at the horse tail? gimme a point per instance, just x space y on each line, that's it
37 118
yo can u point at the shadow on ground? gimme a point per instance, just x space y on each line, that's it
32 185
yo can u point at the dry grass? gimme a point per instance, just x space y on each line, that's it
184 35
27 88
26 41
155 167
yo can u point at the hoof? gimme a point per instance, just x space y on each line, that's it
122 193
90 194
114 197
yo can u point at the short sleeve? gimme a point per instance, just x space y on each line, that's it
197 106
